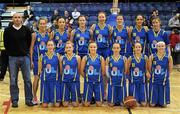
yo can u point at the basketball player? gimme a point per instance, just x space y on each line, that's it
161 66
116 67
92 69
81 37
138 69
48 69
69 69
38 47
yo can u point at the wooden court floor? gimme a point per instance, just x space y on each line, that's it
173 108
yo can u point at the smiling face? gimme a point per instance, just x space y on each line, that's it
137 48
82 21
156 23
139 20
92 48
50 46
120 20
101 17
42 24
69 48
161 47
61 23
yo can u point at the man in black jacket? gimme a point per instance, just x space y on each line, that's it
28 15
17 40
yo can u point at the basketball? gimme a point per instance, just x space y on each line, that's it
130 102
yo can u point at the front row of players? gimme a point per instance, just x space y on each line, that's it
148 78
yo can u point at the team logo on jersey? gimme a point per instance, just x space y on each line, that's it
67 69
92 71
77 35
100 38
134 34
153 45
42 46
114 71
57 37
137 39
81 41
119 40
59 43
136 72
38 39
133 64
154 62
48 68
97 31
158 69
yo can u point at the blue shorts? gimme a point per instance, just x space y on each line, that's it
104 52
35 69
116 94
160 94
96 88
138 90
49 92
58 91
70 91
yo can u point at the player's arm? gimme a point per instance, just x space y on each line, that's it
129 31
125 65
72 35
93 27
107 67
103 66
170 64
150 63
79 63
128 65
51 35
32 48
60 65
91 35
110 31
83 64
147 68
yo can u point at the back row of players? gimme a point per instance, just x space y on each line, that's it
114 44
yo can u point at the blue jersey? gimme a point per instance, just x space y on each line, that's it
70 69
81 41
121 37
138 69
50 67
153 38
116 71
139 36
93 69
101 36
160 71
60 41
40 45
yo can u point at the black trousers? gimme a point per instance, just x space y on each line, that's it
3 63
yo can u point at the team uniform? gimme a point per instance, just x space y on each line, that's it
39 49
50 66
154 38
102 38
81 41
70 79
93 79
137 82
121 37
117 80
60 40
159 82
141 37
